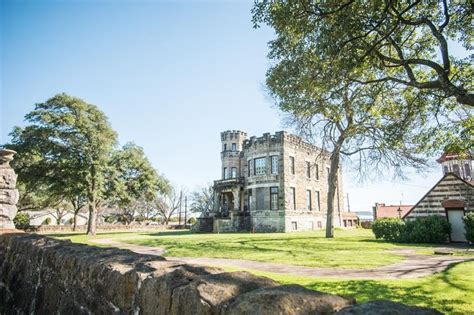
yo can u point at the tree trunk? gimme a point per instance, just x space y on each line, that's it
74 225
91 225
332 186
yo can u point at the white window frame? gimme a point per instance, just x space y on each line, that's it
260 169
274 164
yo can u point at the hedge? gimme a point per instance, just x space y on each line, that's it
431 229
469 226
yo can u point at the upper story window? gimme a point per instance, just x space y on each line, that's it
233 172
316 171
225 146
273 198
316 198
292 165
293 197
259 167
328 171
308 200
456 170
249 163
467 170
234 147
446 169
224 173
274 164
308 169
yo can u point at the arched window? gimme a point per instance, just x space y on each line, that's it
446 169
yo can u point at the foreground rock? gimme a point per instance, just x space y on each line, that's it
40 275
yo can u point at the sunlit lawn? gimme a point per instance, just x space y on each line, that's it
451 291
349 249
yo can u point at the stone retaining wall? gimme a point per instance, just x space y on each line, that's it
104 228
40 275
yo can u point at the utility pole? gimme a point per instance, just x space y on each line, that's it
185 210
180 203
348 205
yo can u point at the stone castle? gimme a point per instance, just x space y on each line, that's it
273 183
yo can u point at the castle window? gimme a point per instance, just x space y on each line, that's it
316 196
308 169
260 198
294 225
308 200
233 172
274 164
249 162
249 196
293 197
259 166
225 146
467 170
446 169
456 170
273 198
224 173
234 147
292 165
317 171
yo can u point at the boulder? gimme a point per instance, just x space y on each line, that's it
287 299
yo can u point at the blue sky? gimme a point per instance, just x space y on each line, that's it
169 75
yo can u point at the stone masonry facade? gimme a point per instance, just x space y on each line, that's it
274 183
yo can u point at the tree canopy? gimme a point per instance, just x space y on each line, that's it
404 46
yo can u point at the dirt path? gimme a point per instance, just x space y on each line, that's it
413 266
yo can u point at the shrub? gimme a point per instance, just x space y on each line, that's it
388 229
46 221
22 221
431 229
469 226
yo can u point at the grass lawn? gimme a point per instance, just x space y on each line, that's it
451 291
349 249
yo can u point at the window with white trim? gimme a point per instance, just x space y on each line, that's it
260 165
274 164
273 198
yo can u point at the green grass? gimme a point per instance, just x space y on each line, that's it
451 291
349 249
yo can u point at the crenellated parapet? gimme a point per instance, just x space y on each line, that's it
8 192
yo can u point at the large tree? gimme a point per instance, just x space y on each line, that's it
376 126
70 143
403 42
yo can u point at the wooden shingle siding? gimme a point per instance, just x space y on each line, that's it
449 187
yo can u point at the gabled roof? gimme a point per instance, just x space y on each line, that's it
452 156
432 188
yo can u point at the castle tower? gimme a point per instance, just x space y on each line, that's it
232 143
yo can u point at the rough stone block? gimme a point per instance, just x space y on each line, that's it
7 178
288 299
9 196
7 213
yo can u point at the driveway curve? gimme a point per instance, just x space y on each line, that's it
413 266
